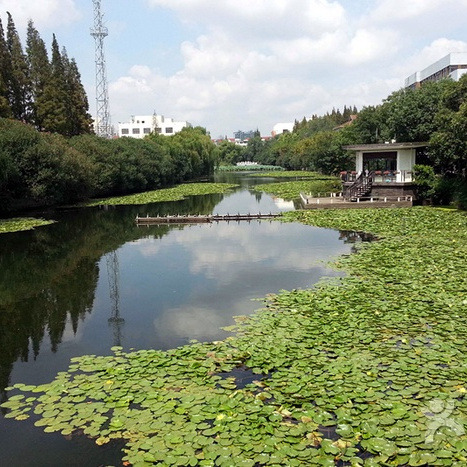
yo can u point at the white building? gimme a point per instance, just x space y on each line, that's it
142 125
280 128
452 66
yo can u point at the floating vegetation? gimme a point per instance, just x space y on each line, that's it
248 168
297 174
292 190
167 194
368 372
21 223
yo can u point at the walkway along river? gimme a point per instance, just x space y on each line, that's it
95 279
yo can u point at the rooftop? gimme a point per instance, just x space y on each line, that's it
384 146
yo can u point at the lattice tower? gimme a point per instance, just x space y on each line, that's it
99 32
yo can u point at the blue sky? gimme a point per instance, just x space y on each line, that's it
245 64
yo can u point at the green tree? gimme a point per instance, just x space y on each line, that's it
78 117
410 114
53 112
5 64
40 73
230 153
284 151
425 180
370 127
448 143
254 148
18 80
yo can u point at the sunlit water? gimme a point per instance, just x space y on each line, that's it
95 279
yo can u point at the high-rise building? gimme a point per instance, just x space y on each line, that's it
451 66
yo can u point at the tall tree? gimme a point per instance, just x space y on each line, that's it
40 72
18 84
77 106
53 112
5 65
448 144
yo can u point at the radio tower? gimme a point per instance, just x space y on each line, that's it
99 32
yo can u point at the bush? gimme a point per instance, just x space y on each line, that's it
425 181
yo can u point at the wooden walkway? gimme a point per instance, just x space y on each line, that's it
195 219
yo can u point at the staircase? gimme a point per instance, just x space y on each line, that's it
361 187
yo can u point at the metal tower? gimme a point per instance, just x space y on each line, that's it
99 32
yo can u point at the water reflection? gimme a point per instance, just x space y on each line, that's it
95 279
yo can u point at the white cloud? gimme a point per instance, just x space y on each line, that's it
252 64
44 13
261 18
397 10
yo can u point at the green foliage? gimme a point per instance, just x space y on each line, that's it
448 143
296 174
292 190
369 372
48 95
17 75
425 180
410 114
329 121
40 169
191 151
230 153
22 223
451 190
167 194
45 169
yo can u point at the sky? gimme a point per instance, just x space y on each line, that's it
229 65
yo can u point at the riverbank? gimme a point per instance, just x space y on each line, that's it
371 371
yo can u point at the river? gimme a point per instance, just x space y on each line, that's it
94 279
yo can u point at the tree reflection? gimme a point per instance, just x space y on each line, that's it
48 277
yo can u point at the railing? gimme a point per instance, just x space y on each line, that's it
361 187
328 197
340 201
325 194
384 199
380 176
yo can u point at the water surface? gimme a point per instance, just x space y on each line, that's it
95 279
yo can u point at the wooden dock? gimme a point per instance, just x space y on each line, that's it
195 219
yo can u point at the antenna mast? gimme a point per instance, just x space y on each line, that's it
99 32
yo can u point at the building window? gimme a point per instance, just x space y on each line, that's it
125 131
136 131
169 129
146 131
380 161
158 130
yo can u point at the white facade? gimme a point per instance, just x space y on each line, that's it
280 128
406 153
143 125
452 66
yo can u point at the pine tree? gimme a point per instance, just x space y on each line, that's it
5 110
40 72
18 82
53 110
79 119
